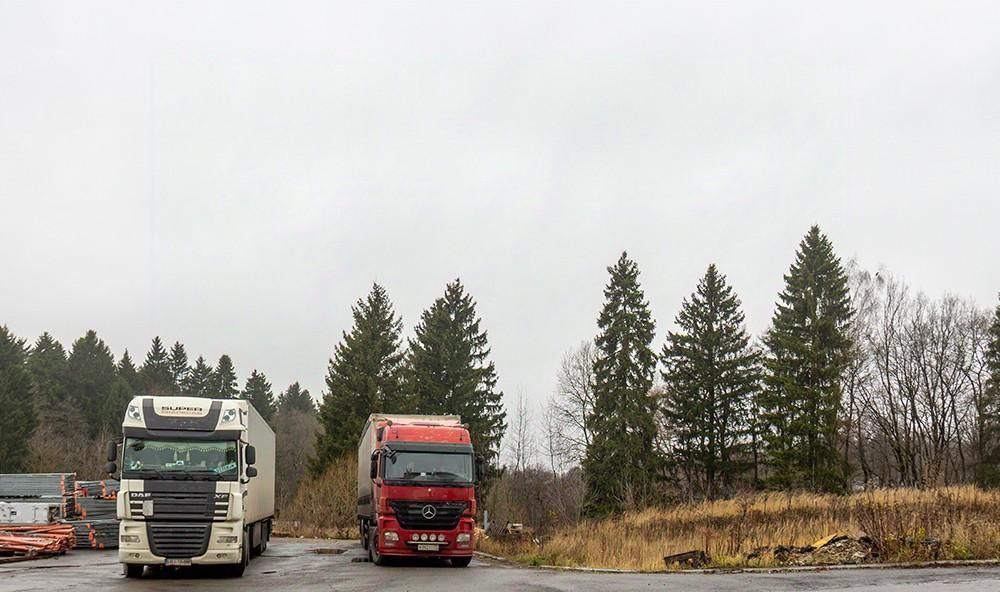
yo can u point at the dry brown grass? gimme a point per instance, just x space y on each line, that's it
324 506
964 520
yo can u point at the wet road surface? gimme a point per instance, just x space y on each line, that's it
293 564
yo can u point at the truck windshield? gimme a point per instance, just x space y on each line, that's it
441 467
178 459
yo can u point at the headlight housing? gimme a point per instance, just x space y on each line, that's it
463 537
134 412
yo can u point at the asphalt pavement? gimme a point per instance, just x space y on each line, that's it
336 566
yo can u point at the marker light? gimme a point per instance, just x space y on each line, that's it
228 415
134 413
129 538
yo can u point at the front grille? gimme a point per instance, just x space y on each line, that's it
176 540
413 515
180 506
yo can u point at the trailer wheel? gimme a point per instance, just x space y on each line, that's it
461 561
132 570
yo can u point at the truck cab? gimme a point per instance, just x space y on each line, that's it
197 483
416 488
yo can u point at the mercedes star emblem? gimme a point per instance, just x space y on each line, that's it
428 512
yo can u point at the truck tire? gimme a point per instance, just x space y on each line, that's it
461 561
132 570
237 569
373 555
363 530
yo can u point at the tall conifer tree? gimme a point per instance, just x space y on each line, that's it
156 375
711 376
363 377
178 362
296 399
127 371
808 350
91 370
258 392
17 409
989 465
47 364
199 380
621 464
449 370
223 384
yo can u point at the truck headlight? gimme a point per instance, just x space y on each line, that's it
463 537
423 537
134 413
129 538
390 537
228 540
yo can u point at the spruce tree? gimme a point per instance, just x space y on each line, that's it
156 374
178 362
47 365
199 380
711 375
296 399
989 465
621 464
127 371
114 404
223 384
363 377
258 392
808 350
17 418
448 371
91 370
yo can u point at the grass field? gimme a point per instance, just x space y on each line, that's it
904 525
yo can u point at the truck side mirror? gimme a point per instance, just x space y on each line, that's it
251 456
112 452
373 465
251 472
110 468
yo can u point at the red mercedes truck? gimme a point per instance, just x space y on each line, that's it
417 488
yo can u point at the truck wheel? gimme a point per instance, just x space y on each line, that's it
461 561
364 535
373 555
132 570
237 570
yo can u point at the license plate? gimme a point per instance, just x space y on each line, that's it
427 547
178 562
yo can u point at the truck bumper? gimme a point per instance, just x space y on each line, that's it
134 547
406 546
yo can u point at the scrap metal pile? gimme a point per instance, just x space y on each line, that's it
45 514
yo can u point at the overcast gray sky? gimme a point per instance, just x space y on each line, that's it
235 175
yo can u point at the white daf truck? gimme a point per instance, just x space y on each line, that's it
197 483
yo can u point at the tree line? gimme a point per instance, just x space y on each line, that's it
55 399
856 383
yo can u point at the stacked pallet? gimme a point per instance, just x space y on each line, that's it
55 487
96 526
94 534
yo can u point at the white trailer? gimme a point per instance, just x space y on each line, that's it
197 483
